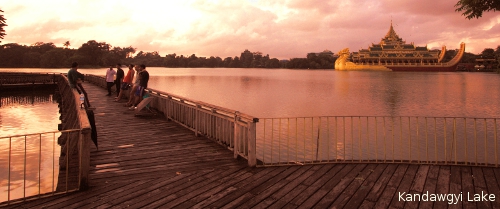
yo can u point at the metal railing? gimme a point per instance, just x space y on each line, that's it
74 139
378 139
230 128
30 160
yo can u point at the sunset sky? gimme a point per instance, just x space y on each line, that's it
281 28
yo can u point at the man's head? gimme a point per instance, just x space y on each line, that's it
74 65
130 66
138 68
118 65
143 66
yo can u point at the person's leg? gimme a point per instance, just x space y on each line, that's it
118 87
109 84
131 98
138 95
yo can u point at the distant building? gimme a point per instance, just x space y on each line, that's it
392 49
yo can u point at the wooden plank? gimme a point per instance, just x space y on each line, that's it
262 199
404 186
492 184
335 183
390 189
361 193
346 193
479 187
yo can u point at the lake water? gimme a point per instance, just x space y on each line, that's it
34 156
267 93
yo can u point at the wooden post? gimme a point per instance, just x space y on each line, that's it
84 153
197 123
236 135
252 144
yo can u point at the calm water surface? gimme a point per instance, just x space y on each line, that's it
26 113
268 93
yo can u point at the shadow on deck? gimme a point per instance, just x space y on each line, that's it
151 162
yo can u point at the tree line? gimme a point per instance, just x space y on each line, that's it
95 54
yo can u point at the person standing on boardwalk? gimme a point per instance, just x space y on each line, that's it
119 78
110 73
75 80
127 82
143 84
131 98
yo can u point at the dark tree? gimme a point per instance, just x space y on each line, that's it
475 8
2 24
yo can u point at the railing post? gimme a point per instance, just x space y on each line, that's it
236 139
197 120
252 143
84 164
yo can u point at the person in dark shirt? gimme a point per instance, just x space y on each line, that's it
74 76
75 80
119 78
143 84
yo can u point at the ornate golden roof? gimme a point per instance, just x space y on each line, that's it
391 37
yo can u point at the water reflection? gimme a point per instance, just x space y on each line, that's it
34 158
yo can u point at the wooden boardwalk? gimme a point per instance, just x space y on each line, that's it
149 162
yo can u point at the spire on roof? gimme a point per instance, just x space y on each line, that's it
391 37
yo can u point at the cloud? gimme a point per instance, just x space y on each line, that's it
281 28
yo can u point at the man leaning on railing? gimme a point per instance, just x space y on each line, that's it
75 79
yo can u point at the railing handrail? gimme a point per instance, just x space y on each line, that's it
48 132
380 116
222 110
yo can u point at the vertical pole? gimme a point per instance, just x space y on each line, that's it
418 143
392 139
465 138
84 164
409 135
496 150
236 138
455 139
485 143
426 142
401 138
343 120
475 141
252 144
445 144
435 141
40 165
352 140
272 138
376 140
10 159
263 143
328 137
279 141
288 141
24 184
359 140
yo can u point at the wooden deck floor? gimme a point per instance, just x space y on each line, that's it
149 162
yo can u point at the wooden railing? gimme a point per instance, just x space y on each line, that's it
230 128
27 78
74 138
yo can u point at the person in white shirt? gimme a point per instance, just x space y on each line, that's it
110 73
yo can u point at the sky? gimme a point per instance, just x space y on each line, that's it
281 28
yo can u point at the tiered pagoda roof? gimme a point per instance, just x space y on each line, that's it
393 48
